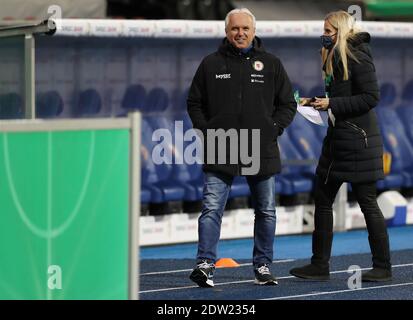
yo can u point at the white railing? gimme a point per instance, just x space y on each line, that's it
214 29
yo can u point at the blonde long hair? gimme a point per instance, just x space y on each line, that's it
344 24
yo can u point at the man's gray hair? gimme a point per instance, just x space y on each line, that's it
239 10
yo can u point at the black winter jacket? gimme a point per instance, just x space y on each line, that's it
353 148
233 90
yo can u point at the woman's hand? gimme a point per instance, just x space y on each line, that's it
321 104
305 101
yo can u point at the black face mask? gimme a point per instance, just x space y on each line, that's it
327 41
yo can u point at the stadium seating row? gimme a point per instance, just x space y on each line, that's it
89 102
300 145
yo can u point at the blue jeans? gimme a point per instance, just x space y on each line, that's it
216 190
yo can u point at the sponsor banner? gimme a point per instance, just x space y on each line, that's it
244 223
228 230
221 30
215 29
289 220
106 28
375 29
239 223
138 28
203 29
308 218
267 29
314 28
184 227
154 230
354 216
171 29
292 29
177 228
72 27
400 30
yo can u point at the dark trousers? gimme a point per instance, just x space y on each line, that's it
323 221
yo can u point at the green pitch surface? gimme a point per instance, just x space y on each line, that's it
64 214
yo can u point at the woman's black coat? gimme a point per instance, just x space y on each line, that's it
353 148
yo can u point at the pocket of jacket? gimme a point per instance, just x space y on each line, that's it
360 131
275 128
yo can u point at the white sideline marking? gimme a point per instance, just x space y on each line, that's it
187 270
246 281
340 291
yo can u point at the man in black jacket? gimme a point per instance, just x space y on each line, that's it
242 96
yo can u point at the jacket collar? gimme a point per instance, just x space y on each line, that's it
359 38
228 49
360 41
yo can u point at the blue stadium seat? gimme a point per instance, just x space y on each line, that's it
145 196
397 143
406 117
157 100
179 100
88 103
194 177
11 106
387 94
48 104
239 188
305 139
134 98
291 179
407 94
278 185
149 193
153 175
164 189
169 175
391 181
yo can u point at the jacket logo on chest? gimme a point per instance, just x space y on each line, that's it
258 65
223 76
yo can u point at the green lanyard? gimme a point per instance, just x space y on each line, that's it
327 81
297 96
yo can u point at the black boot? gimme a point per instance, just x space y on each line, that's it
311 272
381 260
319 269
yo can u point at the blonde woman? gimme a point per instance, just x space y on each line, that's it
352 150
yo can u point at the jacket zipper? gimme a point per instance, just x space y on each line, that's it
328 171
240 102
360 130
